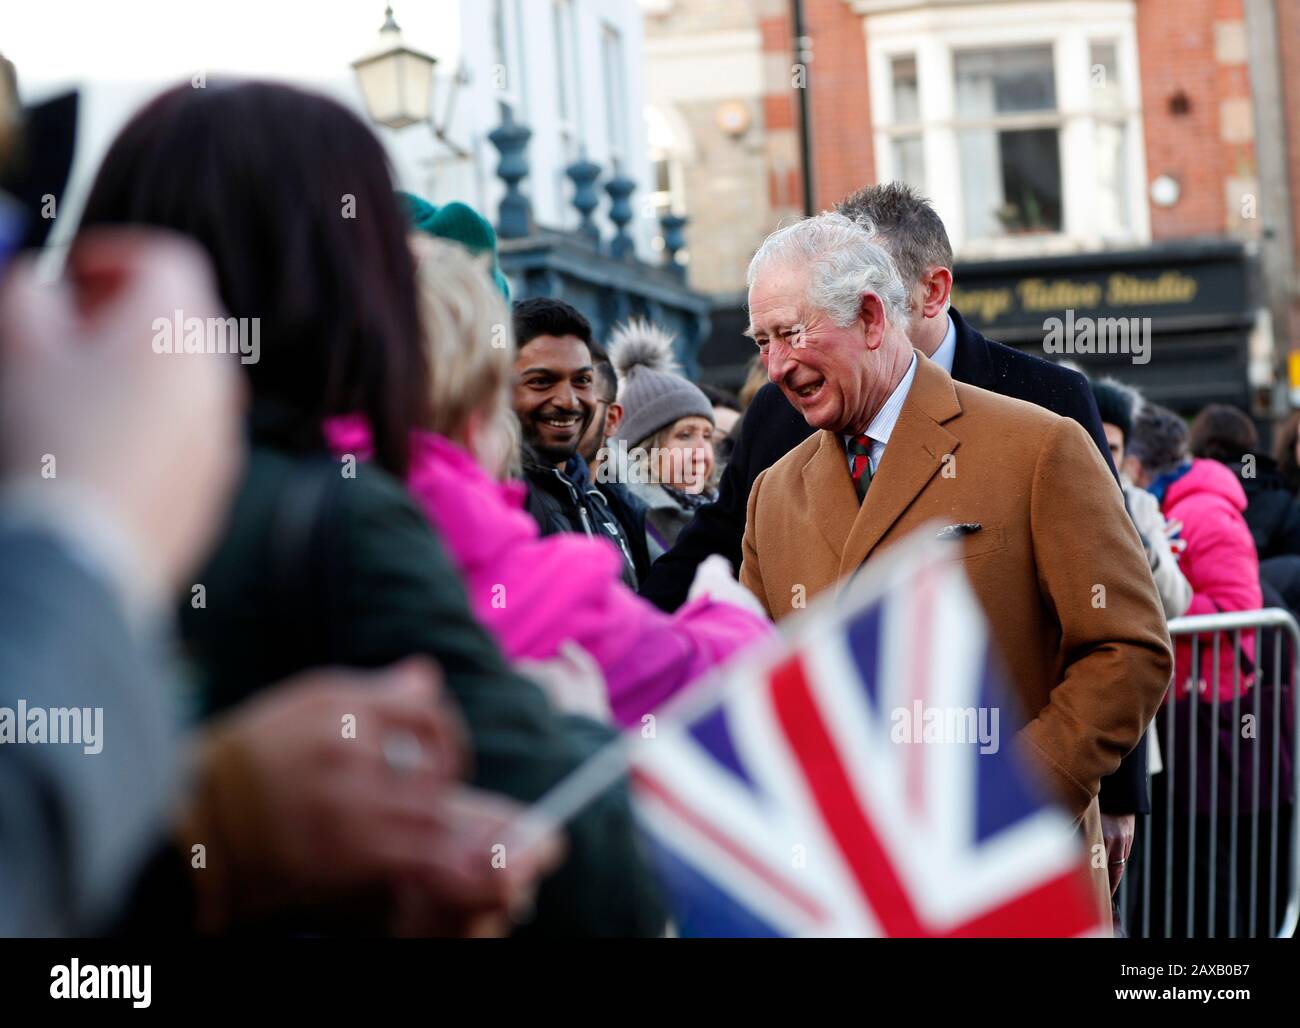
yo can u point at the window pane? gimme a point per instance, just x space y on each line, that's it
500 43
909 161
907 102
1008 80
1011 181
615 95
1107 92
1112 182
560 25
663 179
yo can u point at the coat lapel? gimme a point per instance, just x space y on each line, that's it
914 455
829 490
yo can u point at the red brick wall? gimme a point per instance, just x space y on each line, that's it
844 159
1288 26
837 80
1176 55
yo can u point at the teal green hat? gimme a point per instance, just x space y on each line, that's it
461 224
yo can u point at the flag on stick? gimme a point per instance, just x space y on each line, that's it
859 778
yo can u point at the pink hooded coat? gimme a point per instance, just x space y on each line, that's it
1221 566
532 593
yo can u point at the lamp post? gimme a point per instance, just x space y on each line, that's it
397 83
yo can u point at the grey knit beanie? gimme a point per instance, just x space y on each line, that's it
651 388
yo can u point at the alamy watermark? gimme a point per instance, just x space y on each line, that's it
179 334
920 723
59 726
1086 335
75 980
659 465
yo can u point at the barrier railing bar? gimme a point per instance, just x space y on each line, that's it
1234 621
1169 814
1194 698
1214 798
1277 757
1236 777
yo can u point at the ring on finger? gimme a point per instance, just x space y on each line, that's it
402 752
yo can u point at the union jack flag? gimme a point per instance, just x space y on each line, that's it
798 795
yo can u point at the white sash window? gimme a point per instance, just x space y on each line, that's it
1022 121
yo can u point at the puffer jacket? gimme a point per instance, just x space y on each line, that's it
567 501
1271 510
1221 565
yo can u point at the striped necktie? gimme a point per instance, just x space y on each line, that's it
860 463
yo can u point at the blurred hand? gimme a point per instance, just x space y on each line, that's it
713 578
572 680
479 877
327 784
1117 835
153 437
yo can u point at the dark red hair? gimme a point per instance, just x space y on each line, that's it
291 195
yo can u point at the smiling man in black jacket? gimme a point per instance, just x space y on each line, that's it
912 232
555 400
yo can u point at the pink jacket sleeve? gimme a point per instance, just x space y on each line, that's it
567 587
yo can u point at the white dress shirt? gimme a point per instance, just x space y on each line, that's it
948 348
886 418
883 423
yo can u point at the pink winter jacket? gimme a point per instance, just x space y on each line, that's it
1221 566
559 587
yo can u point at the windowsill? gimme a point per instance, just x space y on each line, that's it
1043 245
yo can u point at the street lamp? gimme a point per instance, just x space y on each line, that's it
397 83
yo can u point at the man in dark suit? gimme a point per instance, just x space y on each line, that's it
910 229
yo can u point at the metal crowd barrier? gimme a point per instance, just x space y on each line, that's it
1219 854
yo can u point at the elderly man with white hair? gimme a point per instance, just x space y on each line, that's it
1045 541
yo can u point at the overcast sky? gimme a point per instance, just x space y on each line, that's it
55 42
119 53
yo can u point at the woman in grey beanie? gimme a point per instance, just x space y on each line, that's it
664 444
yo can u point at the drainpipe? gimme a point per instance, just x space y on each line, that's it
1276 242
803 56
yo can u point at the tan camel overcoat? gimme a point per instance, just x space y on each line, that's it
1056 564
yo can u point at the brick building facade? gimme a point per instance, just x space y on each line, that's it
1070 140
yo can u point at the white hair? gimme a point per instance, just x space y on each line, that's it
845 261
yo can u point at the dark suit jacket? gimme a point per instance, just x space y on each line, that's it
772 428
76 828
